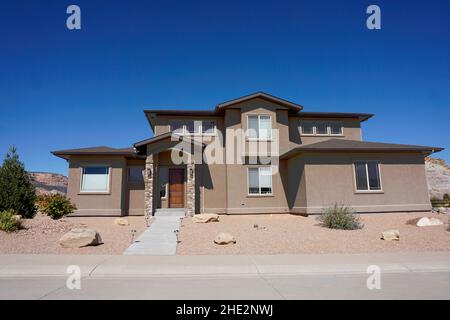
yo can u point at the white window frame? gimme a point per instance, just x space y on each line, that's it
368 190
184 130
314 127
259 194
258 138
83 166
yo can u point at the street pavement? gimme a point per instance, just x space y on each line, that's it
424 275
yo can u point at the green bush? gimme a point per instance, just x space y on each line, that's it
55 206
447 199
16 190
436 202
340 217
9 221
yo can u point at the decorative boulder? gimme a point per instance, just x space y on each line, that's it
121 222
427 222
224 238
17 217
205 218
390 235
80 237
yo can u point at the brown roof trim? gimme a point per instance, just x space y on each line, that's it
97 151
262 95
341 145
182 112
361 116
165 136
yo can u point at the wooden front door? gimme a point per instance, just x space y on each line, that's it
176 188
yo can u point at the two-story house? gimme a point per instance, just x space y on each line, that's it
255 154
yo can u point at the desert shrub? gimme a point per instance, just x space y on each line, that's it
16 190
447 199
9 221
55 205
340 217
436 202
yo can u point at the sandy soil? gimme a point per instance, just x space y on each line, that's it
42 233
284 234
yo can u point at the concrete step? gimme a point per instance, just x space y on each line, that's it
170 212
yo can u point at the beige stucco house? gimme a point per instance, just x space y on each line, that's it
255 154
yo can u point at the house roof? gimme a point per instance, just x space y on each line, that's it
361 116
341 145
101 150
294 107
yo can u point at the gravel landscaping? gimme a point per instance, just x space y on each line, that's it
290 234
41 235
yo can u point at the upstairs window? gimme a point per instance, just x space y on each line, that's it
312 128
177 127
208 127
260 127
193 127
94 179
367 176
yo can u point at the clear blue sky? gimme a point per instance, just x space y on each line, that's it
67 89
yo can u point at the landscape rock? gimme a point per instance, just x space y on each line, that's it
80 237
205 218
121 222
224 238
426 222
17 217
390 235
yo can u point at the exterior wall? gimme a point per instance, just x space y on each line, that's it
238 201
351 131
296 185
135 202
330 179
98 204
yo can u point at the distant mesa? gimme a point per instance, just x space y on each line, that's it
46 182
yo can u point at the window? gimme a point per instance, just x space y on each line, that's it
193 127
367 176
307 128
177 127
320 128
95 179
208 127
336 129
260 127
260 181
136 174
163 182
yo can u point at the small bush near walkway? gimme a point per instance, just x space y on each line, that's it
55 206
340 217
9 221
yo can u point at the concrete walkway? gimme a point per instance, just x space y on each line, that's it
158 239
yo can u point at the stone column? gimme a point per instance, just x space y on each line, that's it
148 180
190 203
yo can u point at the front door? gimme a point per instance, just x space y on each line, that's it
176 188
